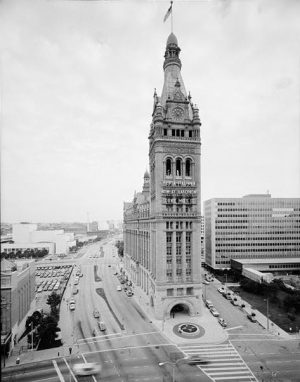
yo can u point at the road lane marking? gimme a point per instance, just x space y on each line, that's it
106 335
70 369
235 377
235 327
61 378
252 334
102 339
95 380
127 347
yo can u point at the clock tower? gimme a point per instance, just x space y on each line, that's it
175 195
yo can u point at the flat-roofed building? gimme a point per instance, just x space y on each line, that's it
17 299
254 227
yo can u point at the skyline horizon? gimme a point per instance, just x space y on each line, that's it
77 98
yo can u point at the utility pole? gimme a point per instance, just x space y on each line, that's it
267 313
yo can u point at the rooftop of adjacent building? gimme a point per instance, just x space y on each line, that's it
279 260
17 265
266 197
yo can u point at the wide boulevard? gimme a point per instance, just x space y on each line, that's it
131 348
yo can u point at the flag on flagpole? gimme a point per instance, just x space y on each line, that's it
169 11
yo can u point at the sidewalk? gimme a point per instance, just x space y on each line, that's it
212 331
261 319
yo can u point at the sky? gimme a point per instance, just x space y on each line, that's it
77 82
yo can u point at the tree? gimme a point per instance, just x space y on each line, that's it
120 245
54 300
47 332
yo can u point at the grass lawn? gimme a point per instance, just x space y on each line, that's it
277 312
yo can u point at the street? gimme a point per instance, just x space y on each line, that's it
131 348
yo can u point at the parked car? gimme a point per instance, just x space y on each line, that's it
222 322
96 313
209 304
214 312
251 317
129 293
205 282
221 290
102 326
119 288
72 306
234 301
86 368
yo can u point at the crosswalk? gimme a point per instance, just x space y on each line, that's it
224 364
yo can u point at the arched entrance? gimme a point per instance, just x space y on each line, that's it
181 308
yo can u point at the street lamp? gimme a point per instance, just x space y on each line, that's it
173 364
187 360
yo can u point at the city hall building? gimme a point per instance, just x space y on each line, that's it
257 231
162 225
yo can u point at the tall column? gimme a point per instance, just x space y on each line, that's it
183 255
174 254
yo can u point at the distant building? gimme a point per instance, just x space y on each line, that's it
92 227
17 299
26 236
256 227
21 232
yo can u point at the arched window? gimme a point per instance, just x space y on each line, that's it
168 167
188 167
178 167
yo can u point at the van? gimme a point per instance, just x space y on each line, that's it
102 326
209 304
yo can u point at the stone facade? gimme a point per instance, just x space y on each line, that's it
162 225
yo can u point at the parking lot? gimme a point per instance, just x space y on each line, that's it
48 279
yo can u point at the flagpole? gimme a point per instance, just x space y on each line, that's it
172 17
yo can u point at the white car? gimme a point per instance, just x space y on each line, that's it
86 368
72 306
214 312
119 288
221 290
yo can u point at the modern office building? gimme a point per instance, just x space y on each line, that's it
17 299
255 227
162 225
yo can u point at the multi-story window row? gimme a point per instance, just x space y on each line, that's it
255 226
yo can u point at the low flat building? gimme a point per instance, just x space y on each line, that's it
27 237
256 227
280 264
